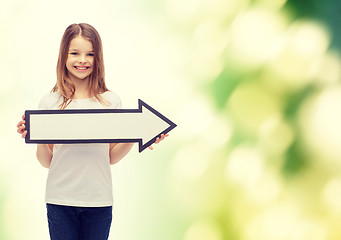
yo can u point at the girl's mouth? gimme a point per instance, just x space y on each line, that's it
81 67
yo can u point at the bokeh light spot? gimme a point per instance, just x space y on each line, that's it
203 230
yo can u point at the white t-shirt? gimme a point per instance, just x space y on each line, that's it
80 174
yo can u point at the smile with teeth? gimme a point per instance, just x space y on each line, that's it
81 68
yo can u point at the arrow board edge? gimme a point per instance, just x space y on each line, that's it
171 124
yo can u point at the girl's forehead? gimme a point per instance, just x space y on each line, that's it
81 43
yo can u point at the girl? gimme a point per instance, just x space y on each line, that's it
78 189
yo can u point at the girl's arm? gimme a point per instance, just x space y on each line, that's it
44 154
118 151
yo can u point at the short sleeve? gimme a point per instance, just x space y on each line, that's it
114 99
50 101
118 102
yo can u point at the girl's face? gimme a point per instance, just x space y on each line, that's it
80 59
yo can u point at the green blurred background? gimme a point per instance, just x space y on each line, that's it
254 86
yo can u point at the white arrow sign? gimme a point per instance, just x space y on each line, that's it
142 125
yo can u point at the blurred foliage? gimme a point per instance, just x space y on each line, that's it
231 76
223 86
326 11
277 60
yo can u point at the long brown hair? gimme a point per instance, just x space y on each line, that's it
96 78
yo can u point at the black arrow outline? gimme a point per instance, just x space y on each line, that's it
85 111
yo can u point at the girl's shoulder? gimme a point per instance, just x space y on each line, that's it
50 101
112 98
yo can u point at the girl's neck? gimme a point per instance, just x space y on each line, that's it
82 90
81 95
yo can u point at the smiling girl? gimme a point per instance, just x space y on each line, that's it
78 189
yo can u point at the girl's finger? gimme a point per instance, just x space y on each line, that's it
21 123
21 129
150 147
24 134
163 136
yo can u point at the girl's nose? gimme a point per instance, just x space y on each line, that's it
82 59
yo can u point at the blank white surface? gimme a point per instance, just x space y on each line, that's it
85 126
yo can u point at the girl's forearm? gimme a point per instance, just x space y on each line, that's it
44 154
119 151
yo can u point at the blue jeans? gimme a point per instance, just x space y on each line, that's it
79 223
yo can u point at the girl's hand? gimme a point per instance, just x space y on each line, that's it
21 128
158 140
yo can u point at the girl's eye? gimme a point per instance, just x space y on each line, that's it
73 53
91 54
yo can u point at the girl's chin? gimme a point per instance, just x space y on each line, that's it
80 77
